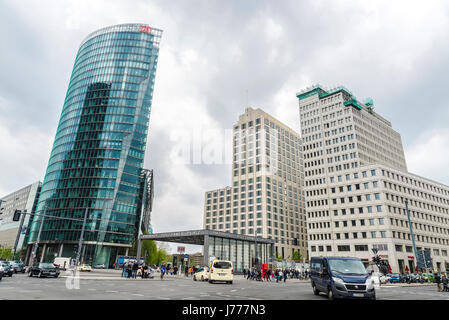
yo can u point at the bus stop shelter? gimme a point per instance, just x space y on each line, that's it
242 250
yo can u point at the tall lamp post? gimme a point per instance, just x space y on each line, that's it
411 232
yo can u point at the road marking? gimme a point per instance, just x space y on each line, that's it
110 291
138 294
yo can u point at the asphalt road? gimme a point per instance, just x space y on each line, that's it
103 285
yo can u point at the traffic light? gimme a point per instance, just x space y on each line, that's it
16 216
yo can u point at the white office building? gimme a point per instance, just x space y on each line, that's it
356 184
22 199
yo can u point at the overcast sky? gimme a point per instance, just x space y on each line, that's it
211 54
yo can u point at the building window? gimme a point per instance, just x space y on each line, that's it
344 248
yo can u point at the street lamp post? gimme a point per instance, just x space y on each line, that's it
36 245
411 232
80 243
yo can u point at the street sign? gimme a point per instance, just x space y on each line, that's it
186 256
181 249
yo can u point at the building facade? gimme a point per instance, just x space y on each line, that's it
266 197
13 233
98 152
356 184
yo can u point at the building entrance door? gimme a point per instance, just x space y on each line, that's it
401 266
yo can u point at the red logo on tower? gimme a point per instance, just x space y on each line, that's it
145 29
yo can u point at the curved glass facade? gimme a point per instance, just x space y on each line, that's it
99 147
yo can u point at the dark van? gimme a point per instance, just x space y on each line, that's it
341 277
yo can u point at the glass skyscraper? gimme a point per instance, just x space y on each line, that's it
98 152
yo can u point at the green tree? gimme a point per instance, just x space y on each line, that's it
297 256
6 253
153 253
279 258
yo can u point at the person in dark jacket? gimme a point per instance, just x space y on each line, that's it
445 283
135 267
438 282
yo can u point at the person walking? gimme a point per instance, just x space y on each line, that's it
438 282
135 267
129 270
124 270
269 275
244 273
445 283
276 274
285 275
186 271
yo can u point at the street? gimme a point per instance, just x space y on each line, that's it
107 285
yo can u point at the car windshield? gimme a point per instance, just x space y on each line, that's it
46 265
347 266
222 265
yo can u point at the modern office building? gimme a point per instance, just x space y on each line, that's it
266 198
98 152
13 233
356 184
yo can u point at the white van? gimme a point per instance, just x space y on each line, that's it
62 263
221 270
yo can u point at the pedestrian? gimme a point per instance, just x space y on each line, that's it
162 271
186 271
129 270
244 272
269 275
285 275
276 274
123 270
438 282
135 267
445 282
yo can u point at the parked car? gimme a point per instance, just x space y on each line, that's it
17 266
8 270
44 270
85 267
201 274
379 278
384 278
395 278
341 277
1 271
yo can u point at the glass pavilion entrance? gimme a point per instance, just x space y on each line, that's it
239 249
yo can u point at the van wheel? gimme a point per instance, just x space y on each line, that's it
194 278
330 294
202 278
210 281
315 290
230 282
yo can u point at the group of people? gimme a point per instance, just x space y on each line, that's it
190 270
442 282
277 274
132 270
